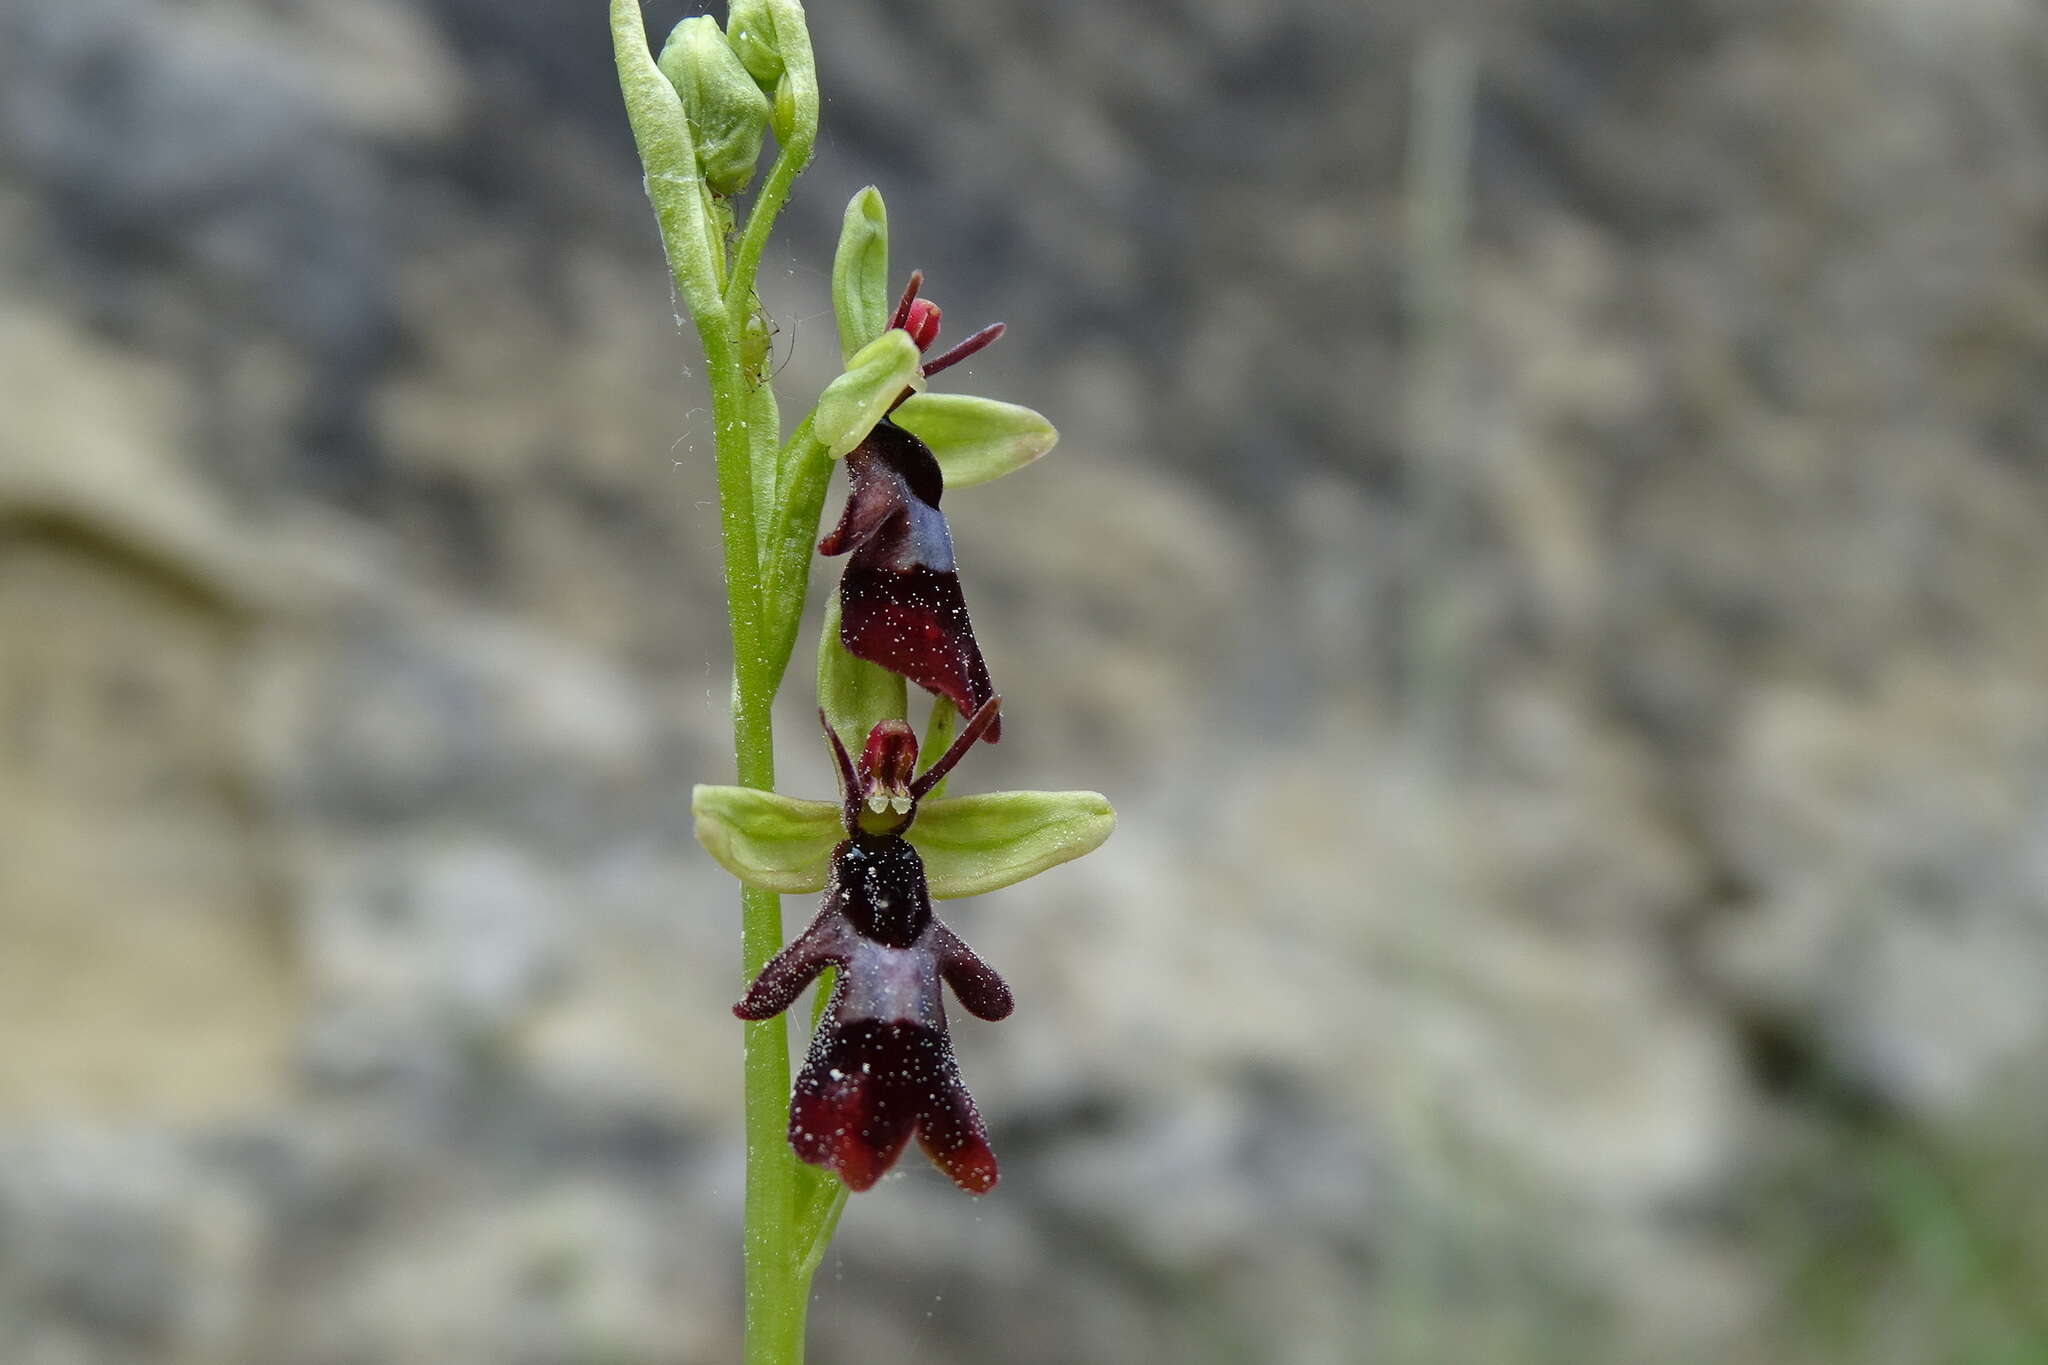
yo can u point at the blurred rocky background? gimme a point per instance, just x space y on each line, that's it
1573 687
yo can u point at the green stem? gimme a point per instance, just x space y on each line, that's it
789 161
786 1221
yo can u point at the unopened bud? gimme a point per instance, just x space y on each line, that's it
728 114
750 28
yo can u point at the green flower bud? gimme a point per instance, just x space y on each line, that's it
860 272
728 113
875 378
750 28
975 439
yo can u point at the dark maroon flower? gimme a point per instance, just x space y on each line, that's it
900 604
881 1065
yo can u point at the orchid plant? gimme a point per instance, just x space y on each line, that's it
881 1066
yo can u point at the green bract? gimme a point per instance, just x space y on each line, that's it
975 439
875 378
728 113
969 844
860 272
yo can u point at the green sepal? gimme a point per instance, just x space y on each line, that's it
728 113
875 377
853 693
769 841
975 439
973 844
860 272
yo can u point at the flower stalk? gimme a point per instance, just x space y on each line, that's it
700 114
781 1247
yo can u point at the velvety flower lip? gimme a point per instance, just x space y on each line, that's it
881 1065
900 603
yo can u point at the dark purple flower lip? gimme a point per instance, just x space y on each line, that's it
900 603
881 1064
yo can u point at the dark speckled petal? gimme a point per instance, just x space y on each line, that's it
868 1085
900 601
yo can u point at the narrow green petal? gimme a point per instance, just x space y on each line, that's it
876 375
975 439
767 840
972 844
860 272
